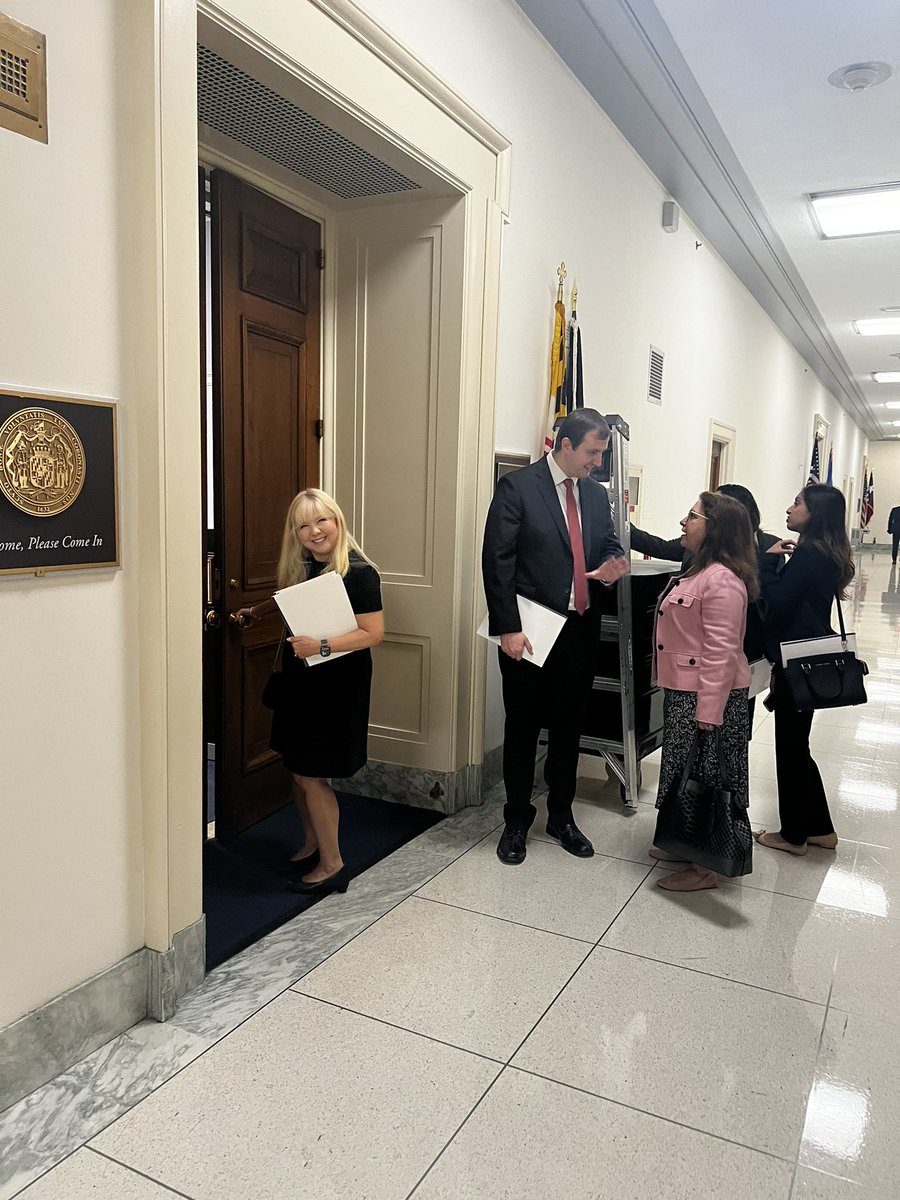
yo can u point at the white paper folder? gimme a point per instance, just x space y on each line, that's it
318 608
540 625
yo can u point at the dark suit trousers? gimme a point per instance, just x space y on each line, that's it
802 805
553 697
896 536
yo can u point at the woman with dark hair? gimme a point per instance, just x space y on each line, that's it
700 662
797 604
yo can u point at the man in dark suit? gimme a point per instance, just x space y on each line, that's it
549 537
894 530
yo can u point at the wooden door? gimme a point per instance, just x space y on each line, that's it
265 334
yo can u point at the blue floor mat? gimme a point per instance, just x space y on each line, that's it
244 896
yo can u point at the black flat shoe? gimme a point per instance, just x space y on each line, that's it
572 839
338 882
296 868
511 847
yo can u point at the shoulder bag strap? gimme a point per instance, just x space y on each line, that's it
837 597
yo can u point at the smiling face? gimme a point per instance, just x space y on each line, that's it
797 514
693 527
318 534
578 461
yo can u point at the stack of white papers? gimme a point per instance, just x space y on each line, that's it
318 608
542 626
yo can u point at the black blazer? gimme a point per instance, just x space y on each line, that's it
797 600
526 548
894 520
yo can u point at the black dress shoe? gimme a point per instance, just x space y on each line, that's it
296 868
511 847
338 882
571 838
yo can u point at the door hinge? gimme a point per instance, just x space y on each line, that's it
320 429
320 259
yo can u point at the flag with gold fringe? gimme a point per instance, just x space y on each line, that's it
557 366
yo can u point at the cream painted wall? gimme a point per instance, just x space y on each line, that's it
70 855
884 461
580 193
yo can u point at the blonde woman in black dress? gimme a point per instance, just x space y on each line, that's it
320 726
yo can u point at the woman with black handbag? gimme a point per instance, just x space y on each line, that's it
700 662
320 721
797 604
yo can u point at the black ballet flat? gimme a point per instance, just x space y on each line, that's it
338 882
296 868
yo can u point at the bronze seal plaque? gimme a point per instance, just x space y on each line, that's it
59 496
42 463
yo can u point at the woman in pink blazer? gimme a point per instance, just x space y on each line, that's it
699 660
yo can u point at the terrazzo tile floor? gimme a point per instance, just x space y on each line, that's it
456 1028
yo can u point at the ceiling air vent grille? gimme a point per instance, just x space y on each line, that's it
240 107
654 386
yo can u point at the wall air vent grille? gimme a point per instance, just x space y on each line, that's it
14 74
240 107
654 386
23 79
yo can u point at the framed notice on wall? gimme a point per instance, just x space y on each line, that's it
59 502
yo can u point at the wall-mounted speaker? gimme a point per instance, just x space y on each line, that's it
670 216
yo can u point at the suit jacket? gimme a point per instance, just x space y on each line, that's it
894 520
526 548
797 600
698 639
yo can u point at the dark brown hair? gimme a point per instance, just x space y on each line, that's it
729 540
826 528
579 423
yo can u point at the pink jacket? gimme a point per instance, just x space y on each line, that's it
699 637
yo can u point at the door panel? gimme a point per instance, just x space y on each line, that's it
266 290
398 441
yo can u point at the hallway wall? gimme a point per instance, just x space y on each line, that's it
580 193
70 859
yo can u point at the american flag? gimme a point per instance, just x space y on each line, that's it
868 504
814 467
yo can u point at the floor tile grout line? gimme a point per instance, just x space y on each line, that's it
85 1143
410 1195
143 1174
819 1045
477 912
654 1116
711 975
647 875
428 1037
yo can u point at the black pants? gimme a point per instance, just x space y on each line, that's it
802 805
554 697
896 537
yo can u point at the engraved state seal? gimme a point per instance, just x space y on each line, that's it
42 464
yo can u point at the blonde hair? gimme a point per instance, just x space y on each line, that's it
294 563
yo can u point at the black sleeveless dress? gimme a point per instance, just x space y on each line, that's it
321 729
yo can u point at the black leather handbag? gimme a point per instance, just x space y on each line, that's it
700 819
831 679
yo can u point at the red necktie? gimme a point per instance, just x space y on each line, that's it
578 578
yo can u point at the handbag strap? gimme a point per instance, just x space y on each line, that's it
692 754
278 648
837 597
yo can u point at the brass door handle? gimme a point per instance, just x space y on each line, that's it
212 619
237 618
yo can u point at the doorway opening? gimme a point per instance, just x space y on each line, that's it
720 455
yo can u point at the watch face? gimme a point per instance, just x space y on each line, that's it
325 649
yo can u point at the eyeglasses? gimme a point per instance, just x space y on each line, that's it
692 515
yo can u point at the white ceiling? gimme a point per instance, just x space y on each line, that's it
728 103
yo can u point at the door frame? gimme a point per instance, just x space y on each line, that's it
355 63
726 435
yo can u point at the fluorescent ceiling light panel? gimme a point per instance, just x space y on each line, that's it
861 211
886 376
892 404
877 326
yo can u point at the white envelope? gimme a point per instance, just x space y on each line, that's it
804 647
318 608
540 625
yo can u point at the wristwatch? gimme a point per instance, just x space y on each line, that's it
324 648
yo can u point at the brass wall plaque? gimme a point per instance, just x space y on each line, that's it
58 484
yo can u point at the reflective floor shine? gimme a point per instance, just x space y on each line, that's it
566 1028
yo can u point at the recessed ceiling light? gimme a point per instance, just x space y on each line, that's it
877 326
886 376
859 77
856 212
896 424
892 404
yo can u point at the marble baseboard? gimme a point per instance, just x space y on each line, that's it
47 1041
177 971
443 791
64 1114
